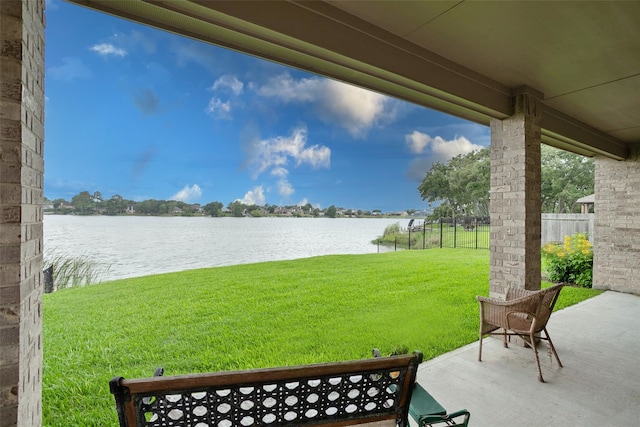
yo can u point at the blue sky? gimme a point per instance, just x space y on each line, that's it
146 114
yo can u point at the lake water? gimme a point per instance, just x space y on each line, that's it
138 246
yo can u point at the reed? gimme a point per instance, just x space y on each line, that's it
69 271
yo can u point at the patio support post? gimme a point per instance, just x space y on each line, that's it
616 237
21 199
515 196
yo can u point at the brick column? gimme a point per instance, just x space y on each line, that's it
616 240
515 201
21 196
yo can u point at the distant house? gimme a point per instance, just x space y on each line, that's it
587 203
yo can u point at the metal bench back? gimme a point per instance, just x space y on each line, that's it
335 394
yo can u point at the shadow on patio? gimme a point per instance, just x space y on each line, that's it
598 342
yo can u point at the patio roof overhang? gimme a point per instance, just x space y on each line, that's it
465 58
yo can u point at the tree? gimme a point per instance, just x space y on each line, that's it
331 211
236 208
83 203
565 178
115 205
213 208
462 183
441 211
58 203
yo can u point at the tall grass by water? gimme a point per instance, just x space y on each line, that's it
320 309
69 271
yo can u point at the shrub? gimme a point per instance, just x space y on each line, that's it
570 262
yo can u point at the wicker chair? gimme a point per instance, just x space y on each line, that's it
523 313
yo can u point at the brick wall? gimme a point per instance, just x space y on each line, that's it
515 201
21 195
616 263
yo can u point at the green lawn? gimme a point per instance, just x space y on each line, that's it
319 309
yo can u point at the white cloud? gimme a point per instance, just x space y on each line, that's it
188 194
350 107
254 197
305 201
107 49
72 68
434 149
275 153
454 147
228 83
219 109
285 188
418 143
278 171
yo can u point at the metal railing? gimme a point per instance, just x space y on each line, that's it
463 232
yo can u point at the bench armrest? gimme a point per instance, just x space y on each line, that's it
426 410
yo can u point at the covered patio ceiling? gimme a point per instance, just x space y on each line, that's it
465 58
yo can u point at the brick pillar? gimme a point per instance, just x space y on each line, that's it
515 201
617 224
21 197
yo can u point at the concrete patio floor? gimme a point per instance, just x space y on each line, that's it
598 342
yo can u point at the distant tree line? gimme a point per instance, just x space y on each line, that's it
86 203
461 185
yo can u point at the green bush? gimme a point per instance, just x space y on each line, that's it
570 262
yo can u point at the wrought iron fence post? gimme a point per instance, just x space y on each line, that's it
440 233
476 220
455 232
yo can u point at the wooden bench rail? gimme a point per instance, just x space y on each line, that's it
331 394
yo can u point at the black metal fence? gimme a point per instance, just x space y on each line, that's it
464 232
